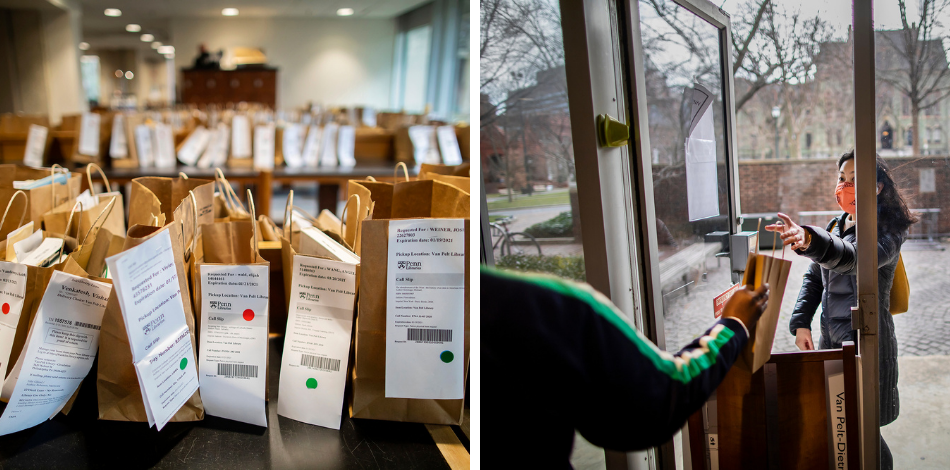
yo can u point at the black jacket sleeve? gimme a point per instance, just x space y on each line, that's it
613 385
809 298
839 255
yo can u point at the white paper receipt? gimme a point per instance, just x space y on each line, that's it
317 343
59 352
146 282
425 309
233 341
12 294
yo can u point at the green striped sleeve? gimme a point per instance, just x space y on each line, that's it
682 368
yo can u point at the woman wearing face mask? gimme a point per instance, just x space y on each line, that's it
831 278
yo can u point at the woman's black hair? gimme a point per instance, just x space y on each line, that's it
893 215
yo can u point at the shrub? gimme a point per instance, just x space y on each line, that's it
560 226
570 267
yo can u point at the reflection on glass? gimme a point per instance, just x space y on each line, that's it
682 55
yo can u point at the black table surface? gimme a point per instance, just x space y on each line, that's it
80 440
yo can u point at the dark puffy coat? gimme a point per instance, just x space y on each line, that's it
831 281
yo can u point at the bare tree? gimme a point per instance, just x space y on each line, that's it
796 44
916 62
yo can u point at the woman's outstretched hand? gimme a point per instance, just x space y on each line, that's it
791 233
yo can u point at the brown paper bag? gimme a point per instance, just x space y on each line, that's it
406 200
153 196
37 280
764 269
368 398
227 201
120 398
40 200
233 244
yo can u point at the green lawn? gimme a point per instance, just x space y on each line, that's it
550 198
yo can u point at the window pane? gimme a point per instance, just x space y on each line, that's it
417 68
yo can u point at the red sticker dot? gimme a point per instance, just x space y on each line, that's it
248 314
6 308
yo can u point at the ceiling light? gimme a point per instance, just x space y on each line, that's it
84 46
166 50
156 45
129 75
147 38
133 28
113 12
230 12
118 74
344 12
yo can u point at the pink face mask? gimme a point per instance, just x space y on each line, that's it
844 194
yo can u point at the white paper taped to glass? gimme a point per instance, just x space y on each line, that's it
702 181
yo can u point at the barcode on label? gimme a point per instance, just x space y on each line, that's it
321 363
426 334
237 370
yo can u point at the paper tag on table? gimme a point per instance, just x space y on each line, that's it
328 151
12 294
35 145
317 344
240 137
118 146
194 145
146 282
292 145
264 146
346 147
424 144
233 341
89 134
311 149
164 146
143 145
449 145
425 309
369 117
216 154
61 346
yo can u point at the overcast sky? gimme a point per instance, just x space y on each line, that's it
838 12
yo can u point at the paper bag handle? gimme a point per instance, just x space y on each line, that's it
182 175
105 181
231 199
250 205
102 216
370 178
194 238
52 185
343 220
405 170
69 225
10 203
288 215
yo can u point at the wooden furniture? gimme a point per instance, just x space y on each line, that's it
256 85
13 133
779 417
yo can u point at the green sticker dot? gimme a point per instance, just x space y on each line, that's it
311 383
183 363
447 356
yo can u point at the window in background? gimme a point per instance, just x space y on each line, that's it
462 96
418 41
89 71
